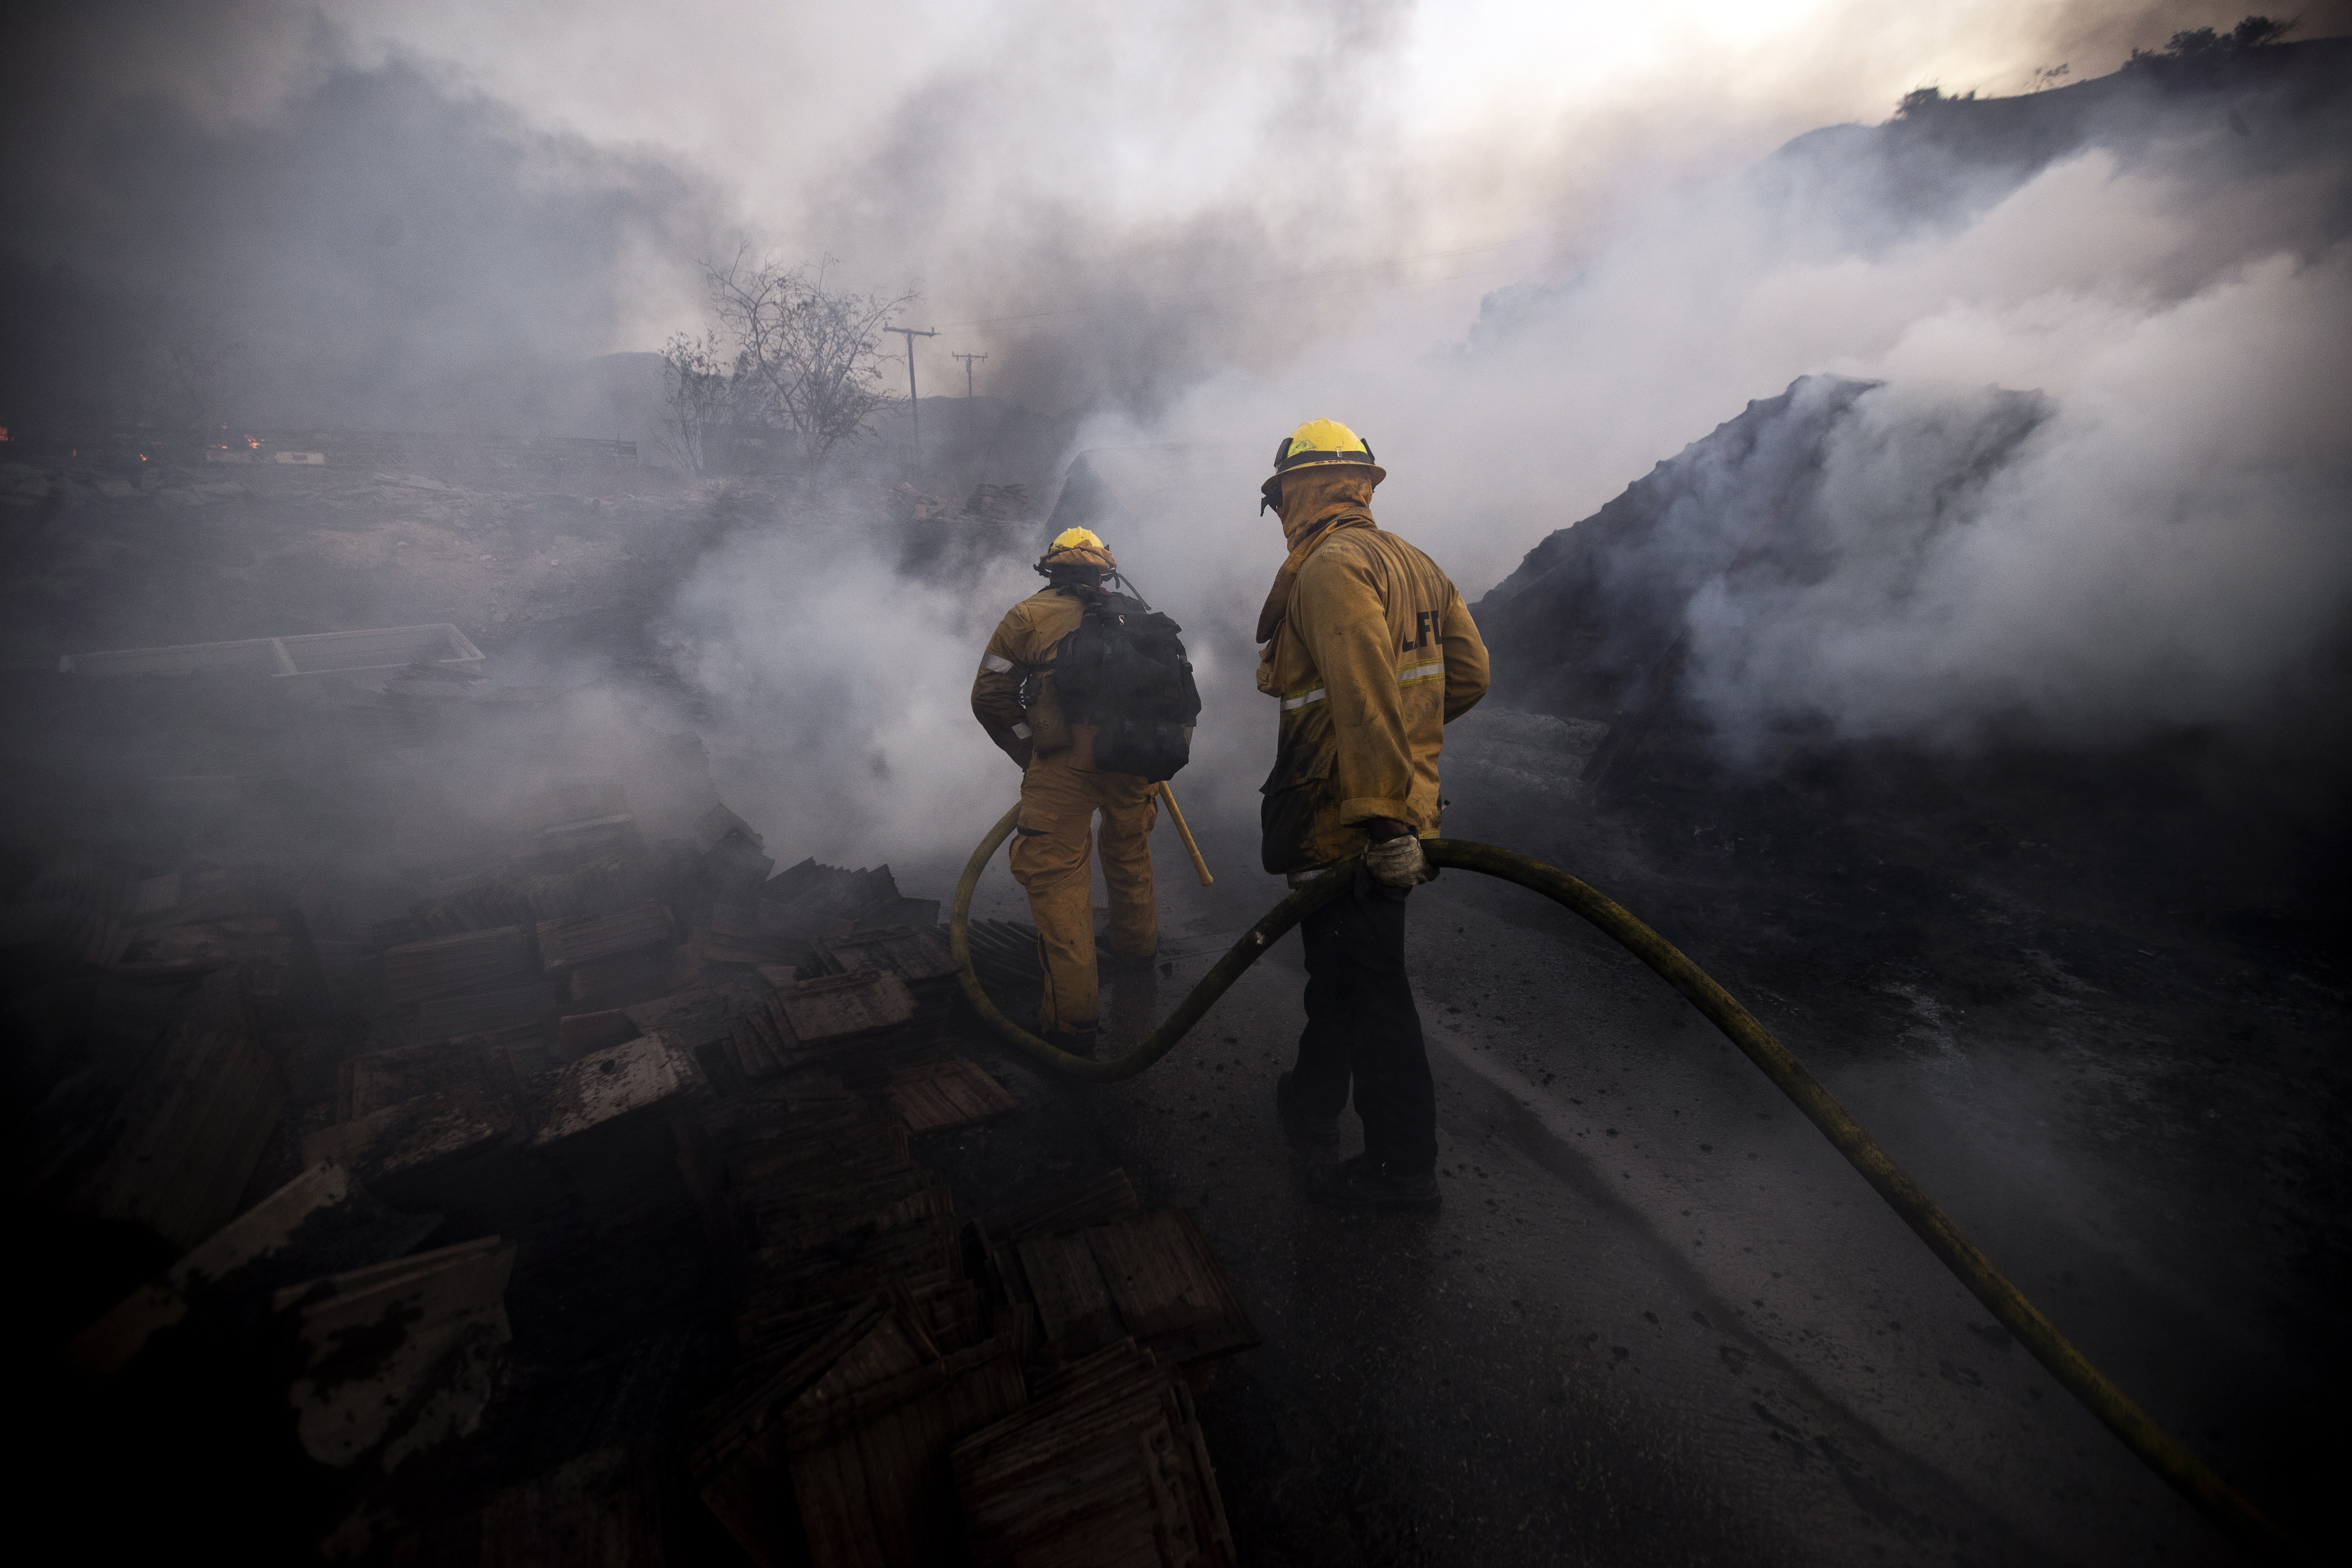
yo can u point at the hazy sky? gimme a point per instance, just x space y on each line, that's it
999 157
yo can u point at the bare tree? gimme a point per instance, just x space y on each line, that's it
815 352
701 391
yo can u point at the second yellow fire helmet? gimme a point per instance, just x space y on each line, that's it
1078 547
1319 443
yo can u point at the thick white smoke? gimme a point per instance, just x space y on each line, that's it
2167 548
841 690
2166 551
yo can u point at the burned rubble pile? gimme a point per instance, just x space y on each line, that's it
941 541
572 1205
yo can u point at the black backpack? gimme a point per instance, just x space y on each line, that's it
1124 672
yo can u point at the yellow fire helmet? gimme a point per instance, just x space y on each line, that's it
1319 443
1078 547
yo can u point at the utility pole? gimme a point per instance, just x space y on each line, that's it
968 359
914 403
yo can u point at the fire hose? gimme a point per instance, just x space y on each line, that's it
2183 1471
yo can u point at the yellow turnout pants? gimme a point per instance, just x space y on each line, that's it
1058 802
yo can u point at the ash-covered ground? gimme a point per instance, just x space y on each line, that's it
1658 1320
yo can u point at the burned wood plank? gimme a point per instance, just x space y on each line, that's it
400 1357
921 915
1171 1291
318 1222
870 1471
483 1012
486 905
582 1033
581 940
638 977
836 1007
178 1146
697 1013
740 933
740 1459
601 887
606 1088
456 1155
411 1133
474 1066
1104 1465
916 956
931 1096
267 947
731 849
1076 1313
477 960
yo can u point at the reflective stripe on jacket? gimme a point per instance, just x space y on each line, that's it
1023 644
1375 654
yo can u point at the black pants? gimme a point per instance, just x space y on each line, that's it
1361 1022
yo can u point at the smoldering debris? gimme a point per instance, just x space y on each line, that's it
1841 563
1759 644
537 1161
944 544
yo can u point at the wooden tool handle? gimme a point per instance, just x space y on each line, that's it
1176 815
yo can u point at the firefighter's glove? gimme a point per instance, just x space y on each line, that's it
1399 862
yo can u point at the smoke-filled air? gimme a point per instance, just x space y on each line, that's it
1530 256
472 469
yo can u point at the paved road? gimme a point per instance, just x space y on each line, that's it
1659 1319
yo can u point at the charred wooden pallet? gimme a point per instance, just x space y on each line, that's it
1097 1269
503 1152
167 1135
486 905
1004 960
636 977
509 1008
742 930
578 1034
932 1097
318 1223
1105 1464
398 1358
581 941
871 1368
840 1452
919 955
477 1064
499 959
862 1024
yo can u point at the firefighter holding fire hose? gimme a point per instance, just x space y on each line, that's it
1372 653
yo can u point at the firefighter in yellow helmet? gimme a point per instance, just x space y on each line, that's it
1014 698
1371 652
